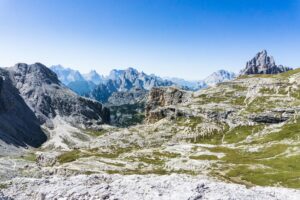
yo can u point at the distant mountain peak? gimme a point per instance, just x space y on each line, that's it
218 77
66 75
262 63
94 77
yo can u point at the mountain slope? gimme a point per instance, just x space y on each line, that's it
19 126
43 92
31 97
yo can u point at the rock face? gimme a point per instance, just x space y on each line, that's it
18 124
161 102
44 94
263 64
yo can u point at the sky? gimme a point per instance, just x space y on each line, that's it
176 38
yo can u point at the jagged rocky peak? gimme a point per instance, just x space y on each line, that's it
262 63
37 73
132 78
94 77
66 75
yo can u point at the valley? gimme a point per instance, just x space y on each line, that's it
237 139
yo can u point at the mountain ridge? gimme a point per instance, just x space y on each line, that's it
32 98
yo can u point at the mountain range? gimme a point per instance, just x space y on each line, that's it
238 133
101 87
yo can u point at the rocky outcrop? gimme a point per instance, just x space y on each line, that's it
263 64
274 116
269 118
161 103
47 159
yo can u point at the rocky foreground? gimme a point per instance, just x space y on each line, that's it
136 187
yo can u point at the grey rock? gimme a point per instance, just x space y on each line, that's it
47 97
47 159
269 118
160 98
18 124
263 64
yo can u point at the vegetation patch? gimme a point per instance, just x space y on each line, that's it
238 100
214 138
260 104
240 133
69 156
166 154
288 131
215 98
191 122
3 186
238 87
204 157
266 176
29 157
95 133
266 167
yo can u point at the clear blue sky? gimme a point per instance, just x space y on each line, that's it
182 38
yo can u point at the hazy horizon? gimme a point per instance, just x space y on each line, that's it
184 39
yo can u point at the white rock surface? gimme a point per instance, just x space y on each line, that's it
137 187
